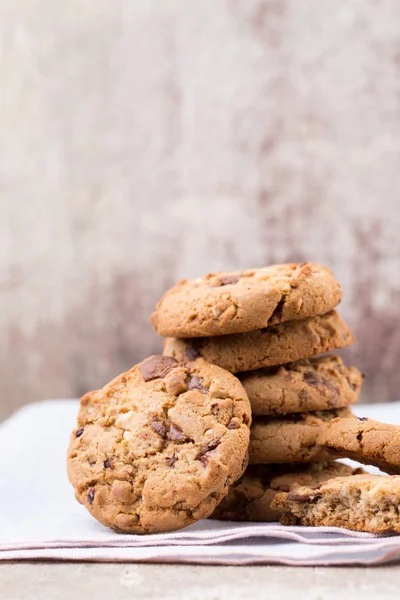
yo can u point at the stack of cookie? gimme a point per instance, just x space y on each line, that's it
168 442
267 326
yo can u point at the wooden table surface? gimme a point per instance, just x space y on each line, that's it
59 581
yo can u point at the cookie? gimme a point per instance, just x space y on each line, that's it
157 448
273 346
364 440
250 498
226 303
319 383
291 438
361 502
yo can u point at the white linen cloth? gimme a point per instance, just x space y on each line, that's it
40 518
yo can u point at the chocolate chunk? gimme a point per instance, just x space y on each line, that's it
322 384
203 454
226 280
233 424
157 366
203 459
212 445
192 350
109 463
171 460
90 496
311 379
335 390
159 427
79 432
362 418
195 384
175 434
303 498
278 312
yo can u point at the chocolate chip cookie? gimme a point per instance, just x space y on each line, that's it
319 383
157 448
360 502
276 345
292 438
368 441
250 498
226 303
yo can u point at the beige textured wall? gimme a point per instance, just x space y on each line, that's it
145 141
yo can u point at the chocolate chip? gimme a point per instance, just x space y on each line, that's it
175 434
79 432
195 384
329 385
278 312
203 459
90 496
109 463
157 366
212 445
203 454
311 379
362 418
233 424
171 460
159 427
228 279
192 350
322 384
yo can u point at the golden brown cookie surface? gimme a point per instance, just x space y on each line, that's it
359 502
226 303
250 498
292 438
320 383
157 448
276 345
368 441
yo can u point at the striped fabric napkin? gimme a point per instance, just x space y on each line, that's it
42 520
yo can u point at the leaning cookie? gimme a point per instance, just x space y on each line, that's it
361 502
157 448
292 438
319 383
226 303
365 440
276 345
250 498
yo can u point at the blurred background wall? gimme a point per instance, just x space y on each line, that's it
145 141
